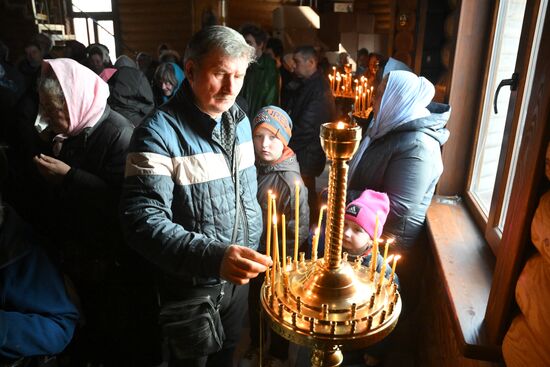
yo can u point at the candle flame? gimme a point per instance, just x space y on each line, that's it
397 257
340 125
390 241
390 258
274 220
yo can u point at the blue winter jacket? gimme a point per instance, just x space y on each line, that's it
36 316
178 201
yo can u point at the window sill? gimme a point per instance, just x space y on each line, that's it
465 264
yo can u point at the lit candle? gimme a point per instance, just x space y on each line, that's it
283 240
356 107
394 265
331 79
296 219
315 244
268 234
364 101
334 72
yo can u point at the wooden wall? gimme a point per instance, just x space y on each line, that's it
144 24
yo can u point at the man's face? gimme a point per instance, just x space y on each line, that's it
252 42
303 68
217 81
33 55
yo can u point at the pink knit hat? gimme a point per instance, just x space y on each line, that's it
364 209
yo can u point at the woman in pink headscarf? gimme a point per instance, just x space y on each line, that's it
86 170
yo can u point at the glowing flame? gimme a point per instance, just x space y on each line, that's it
340 125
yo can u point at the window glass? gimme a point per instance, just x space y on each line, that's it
503 61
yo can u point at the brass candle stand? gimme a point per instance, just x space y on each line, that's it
331 304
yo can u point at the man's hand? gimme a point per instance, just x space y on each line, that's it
240 264
52 169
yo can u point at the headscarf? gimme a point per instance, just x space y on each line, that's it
405 99
85 94
180 76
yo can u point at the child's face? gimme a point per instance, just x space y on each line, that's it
267 146
356 239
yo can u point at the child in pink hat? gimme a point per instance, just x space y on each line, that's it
360 221
359 232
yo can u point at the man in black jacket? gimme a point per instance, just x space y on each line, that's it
312 106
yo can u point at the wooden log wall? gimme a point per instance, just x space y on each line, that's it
144 24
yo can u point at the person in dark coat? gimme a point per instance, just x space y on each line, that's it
84 175
131 94
189 200
311 106
279 173
261 83
37 317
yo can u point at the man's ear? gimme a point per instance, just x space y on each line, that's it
189 70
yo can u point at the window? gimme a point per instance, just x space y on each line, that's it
94 23
499 134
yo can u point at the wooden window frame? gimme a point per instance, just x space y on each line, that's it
99 16
469 68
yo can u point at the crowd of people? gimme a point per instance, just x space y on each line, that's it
134 194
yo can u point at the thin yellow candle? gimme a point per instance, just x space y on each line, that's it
394 265
386 250
356 105
364 101
374 256
315 244
320 221
268 233
275 242
283 239
376 224
383 270
334 72
296 219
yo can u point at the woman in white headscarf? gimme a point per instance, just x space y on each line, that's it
401 152
401 156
